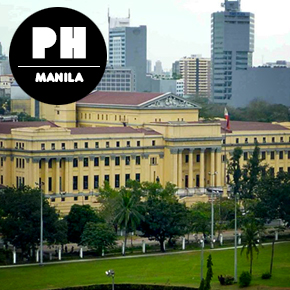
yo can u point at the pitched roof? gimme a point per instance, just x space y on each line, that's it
252 126
111 130
118 98
5 127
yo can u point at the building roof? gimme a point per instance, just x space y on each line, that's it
111 130
252 126
118 98
5 127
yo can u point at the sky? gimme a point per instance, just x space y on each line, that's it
175 28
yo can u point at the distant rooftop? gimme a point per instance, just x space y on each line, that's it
6 127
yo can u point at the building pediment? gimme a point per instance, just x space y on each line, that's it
169 101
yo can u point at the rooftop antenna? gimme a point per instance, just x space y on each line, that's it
129 13
109 15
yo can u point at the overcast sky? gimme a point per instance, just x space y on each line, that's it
175 28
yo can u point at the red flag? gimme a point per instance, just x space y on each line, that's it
227 117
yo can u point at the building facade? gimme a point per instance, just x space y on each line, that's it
196 72
232 47
128 48
139 136
118 79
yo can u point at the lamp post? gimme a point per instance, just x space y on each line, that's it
41 223
212 210
111 273
201 259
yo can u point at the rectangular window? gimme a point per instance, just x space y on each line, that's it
2 161
288 154
42 146
153 160
17 163
96 144
264 139
75 145
271 170
138 143
107 178
118 144
96 181
263 155
281 139
107 161
96 161
86 162
49 184
127 160
186 158
128 143
75 198
138 160
86 145
246 140
280 169
85 182
281 155
107 144
52 146
237 140
39 164
272 155
75 182
75 162
153 142
255 140
273 139
197 158
245 155
63 199
127 177
1 181
117 160
50 163
63 146
137 177
117 180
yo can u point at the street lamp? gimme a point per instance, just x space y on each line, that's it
41 222
201 241
212 210
111 273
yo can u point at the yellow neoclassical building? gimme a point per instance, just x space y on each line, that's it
118 136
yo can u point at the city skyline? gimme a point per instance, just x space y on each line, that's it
171 25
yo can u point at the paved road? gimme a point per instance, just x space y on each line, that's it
129 257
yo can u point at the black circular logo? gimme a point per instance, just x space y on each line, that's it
58 55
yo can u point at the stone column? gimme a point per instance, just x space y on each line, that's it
122 171
35 178
112 171
146 165
212 167
57 175
80 175
190 168
174 172
201 174
13 171
179 184
218 167
46 175
91 173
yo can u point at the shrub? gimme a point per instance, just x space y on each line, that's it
226 280
266 275
245 279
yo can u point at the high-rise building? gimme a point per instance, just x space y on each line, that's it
149 66
128 48
232 47
176 69
0 49
158 68
195 71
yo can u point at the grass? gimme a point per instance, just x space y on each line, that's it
177 269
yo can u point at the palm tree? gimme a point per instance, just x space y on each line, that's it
128 209
251 232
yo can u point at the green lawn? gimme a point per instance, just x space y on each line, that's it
178 269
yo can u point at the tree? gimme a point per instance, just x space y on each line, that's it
209 273
164 220
20 218
252 172
77 218
129 209
98 236
235 169
251 236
